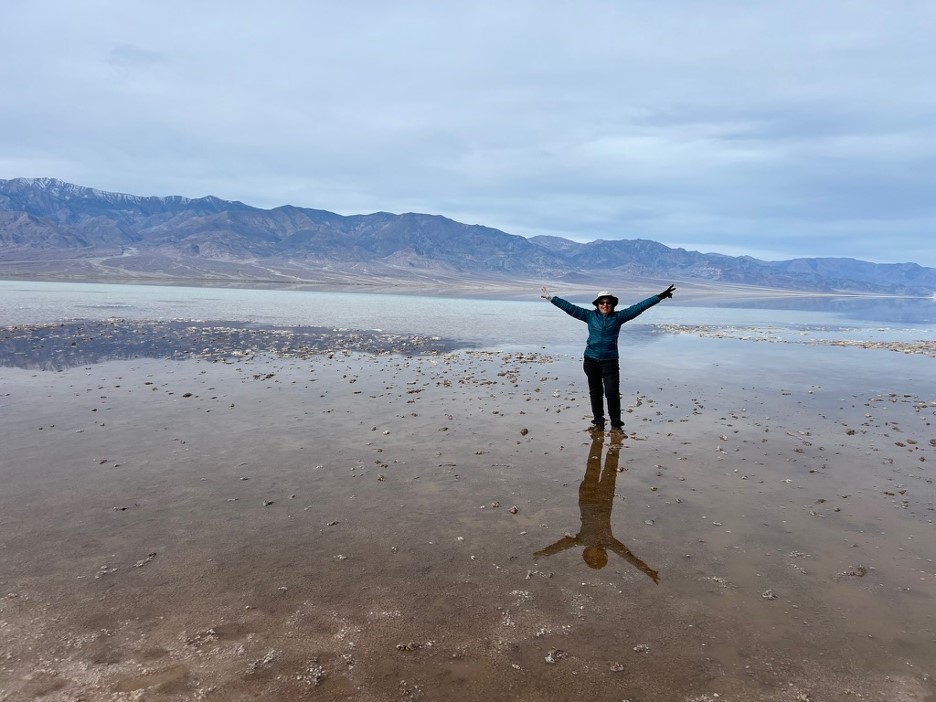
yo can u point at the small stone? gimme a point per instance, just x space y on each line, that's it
555 654
144 561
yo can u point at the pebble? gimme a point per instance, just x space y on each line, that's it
555 655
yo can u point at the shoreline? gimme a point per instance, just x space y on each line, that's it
60 345
696 291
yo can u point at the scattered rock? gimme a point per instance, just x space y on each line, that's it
144 561
201 638
854 572
555 655
104 570
313 674
262 663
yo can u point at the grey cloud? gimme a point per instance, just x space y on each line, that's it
761 127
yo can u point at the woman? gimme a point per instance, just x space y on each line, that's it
601 350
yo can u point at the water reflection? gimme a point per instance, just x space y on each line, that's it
72 344
883 309
596 498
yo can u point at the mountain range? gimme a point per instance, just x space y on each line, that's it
49 228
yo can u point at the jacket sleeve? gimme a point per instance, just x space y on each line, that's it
629 313
570 309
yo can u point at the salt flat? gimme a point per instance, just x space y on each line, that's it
373 526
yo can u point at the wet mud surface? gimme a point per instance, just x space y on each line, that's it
344 525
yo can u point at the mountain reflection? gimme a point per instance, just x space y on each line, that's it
596 498
82 343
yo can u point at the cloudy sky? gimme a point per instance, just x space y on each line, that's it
766 128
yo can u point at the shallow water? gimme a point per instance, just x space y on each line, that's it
340 525
500 323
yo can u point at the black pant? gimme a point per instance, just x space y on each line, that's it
604 378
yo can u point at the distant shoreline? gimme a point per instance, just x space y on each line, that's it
691 292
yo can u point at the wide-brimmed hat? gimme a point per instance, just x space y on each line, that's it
613 299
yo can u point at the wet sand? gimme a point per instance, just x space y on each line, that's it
374 526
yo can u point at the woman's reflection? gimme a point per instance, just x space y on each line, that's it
596 497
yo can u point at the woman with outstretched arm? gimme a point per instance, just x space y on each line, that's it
601 362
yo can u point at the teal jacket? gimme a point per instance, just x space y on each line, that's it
603 330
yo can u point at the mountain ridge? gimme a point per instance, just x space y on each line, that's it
49 226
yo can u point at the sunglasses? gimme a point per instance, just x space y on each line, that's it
605 302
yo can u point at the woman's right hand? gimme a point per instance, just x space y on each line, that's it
544 293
